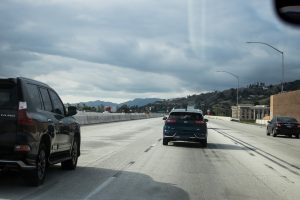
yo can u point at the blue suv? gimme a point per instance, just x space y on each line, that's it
185 125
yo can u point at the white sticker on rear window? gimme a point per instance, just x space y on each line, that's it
22 105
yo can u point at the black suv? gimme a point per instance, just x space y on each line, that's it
35 129
185 125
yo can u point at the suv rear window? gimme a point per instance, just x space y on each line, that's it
185 116
8 96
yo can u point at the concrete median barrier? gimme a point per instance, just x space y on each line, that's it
85 118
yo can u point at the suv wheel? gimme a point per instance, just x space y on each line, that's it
274 133
72 163
204 142
37 176
297 135
268 132
165 142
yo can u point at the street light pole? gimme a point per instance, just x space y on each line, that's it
237 91
282 59
282 72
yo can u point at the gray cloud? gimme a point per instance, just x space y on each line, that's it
120 50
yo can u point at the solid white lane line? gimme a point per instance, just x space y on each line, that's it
100 187
108 181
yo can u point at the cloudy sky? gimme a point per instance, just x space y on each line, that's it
118 50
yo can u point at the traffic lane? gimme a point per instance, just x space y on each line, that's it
277 174
114 155
223 170
255 130
103 140
83 183
241 173
287 149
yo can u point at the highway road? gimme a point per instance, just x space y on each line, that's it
126 160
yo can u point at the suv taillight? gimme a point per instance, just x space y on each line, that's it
23 118
279 125
170 121
199 122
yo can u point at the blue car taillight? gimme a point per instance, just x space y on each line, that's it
170 121
199 122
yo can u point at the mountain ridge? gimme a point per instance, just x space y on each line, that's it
134 102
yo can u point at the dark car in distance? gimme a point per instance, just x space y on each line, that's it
35 129
282 125
185 125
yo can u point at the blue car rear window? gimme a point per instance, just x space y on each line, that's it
186 116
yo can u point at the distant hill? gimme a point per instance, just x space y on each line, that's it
98 103
220 102
140 102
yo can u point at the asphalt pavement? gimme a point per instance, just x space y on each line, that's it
126 160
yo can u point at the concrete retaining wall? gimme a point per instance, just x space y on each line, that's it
218 117
85 118
258 121
286 104
261 121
